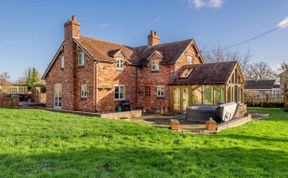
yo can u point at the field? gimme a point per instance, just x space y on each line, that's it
38 143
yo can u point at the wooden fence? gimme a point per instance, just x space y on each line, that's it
266 100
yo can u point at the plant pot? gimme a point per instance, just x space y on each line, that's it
175 126
211 126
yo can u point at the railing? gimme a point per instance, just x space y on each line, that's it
13 89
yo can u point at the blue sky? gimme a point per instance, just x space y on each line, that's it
32 30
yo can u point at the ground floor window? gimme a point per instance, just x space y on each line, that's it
160 91
58 95
83 91
119 92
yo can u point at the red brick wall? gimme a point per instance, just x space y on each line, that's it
108 76
84 75
146 77
56 75
166 73
191 51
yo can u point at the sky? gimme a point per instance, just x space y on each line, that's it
31 31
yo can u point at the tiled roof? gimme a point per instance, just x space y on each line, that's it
103 49
259 84
170 51
209 73
139 55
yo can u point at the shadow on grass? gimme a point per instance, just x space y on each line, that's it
252 138
144 162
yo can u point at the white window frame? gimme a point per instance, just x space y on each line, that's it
119 91
81 61
160 91
62 62
155 66
83 91
119 63
190 59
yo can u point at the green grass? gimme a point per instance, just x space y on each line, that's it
37 143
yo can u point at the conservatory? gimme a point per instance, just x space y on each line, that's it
207 84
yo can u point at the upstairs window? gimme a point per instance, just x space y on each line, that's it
83 91
190 60
62 62
119 64
119 92
160 91
81 59
155 66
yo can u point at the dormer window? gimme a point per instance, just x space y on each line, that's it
81 59
119 64
190 60
155 66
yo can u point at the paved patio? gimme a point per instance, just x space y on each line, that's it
163 121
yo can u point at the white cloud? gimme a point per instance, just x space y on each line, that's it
102 26
283 23
156 20
205 3
199 4
215 3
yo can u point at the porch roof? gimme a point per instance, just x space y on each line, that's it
209 73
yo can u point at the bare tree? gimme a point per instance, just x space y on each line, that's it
219 54
284 66
4 78
259 71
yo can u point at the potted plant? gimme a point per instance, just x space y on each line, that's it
174 124
211 125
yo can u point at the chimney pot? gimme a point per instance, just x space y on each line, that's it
73 18
153 38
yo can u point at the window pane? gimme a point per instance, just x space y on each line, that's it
116 95
207 93
197 96
185 98
218 95
177 99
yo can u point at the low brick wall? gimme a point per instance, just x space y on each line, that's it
126 114
12 101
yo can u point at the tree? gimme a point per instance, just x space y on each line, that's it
32 77
259 71
219 54
4 78
284 66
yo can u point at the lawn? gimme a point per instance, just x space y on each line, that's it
38 143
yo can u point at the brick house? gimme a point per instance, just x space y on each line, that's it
88 74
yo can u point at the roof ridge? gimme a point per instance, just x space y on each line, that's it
105 41
169 43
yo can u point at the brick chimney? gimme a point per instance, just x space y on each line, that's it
153 38
71 29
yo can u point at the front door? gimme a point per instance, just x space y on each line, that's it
147 97
58 96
